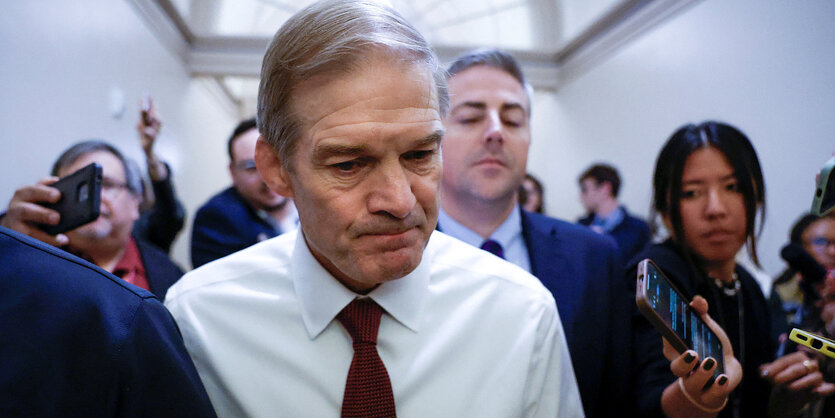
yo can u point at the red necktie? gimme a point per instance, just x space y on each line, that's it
368 388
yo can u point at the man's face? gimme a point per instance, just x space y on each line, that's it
366 171
591 194
485 148
245 176
119 207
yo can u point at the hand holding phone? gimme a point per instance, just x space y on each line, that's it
80 200
26 211
52 206
669 312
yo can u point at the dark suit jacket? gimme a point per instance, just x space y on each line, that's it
224 225
160 270
582 270
78 341
632 234
160 224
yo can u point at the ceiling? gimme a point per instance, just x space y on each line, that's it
555 40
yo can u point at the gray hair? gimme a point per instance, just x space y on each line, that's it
494 58
132 177
325 37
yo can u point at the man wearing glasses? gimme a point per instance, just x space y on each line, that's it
243 214
107 241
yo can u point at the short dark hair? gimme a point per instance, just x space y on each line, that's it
132 178
603 173
737 149
242 127
489 57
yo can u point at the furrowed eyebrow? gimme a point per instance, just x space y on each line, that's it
432 139
326 151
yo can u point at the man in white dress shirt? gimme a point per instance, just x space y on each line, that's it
350 108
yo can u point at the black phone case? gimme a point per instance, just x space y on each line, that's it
80 199
663 328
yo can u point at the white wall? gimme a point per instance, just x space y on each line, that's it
59 61
763 66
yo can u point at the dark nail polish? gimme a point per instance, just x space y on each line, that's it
709 363
723 380
688 358
709 383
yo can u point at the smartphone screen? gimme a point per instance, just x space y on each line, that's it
671 313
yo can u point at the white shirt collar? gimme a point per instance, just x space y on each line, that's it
322 297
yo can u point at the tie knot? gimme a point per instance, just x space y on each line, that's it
361 318
493 247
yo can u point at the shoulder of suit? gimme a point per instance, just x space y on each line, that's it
58 273
448 254
567 231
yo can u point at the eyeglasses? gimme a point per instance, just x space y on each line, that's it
112 188
821 243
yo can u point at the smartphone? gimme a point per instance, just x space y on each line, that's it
824 199
669 312
80 199
820 344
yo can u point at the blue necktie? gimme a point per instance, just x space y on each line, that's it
493 247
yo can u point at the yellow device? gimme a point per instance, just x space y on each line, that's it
820 344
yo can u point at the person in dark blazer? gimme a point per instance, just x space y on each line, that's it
599 188
78 341
484 160
244 214
107 241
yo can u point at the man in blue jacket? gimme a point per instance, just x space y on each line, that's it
485 152
244 214
599 188
78 341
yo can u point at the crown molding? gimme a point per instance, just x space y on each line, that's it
545 70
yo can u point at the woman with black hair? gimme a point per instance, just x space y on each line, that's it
709 194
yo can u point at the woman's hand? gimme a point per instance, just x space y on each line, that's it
797 381
695 393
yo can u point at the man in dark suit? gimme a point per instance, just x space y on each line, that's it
244 214
599 188
107 241
484 160
77 341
